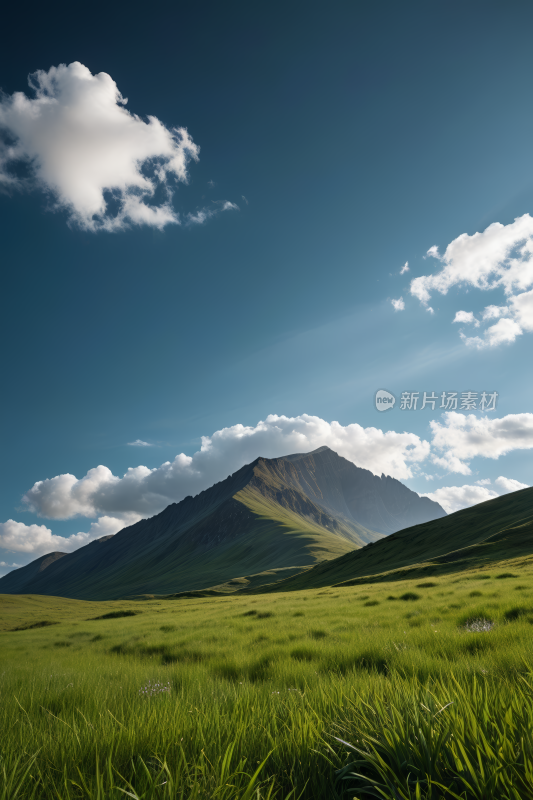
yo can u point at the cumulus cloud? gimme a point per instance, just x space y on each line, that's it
504 331
462 437
97 160
405 268
453 498
398 305
38 539
494 312
509 485
467 317
144 492
499 258
521 308
139 443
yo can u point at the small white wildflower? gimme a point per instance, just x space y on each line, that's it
152 689
479 626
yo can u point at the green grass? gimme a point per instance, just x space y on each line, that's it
305 694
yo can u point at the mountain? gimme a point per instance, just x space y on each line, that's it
495 531
270 516
20 577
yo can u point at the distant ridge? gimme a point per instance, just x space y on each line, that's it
271 515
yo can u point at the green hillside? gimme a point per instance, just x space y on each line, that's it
475 537
164 566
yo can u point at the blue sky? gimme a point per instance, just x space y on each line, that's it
162 286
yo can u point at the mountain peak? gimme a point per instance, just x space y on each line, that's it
323 449
271 514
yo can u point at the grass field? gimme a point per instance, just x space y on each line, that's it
248 696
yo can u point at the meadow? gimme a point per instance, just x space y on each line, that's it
408 689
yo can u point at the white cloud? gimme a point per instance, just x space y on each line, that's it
144 491
521 307
398 305
500 257
484 482
38 539
405 268
87 150
201 216
509 485
453 498
494 312
462 437
430 310
140 443
467 317
433 252
504 331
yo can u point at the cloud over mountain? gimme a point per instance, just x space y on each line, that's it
115 502
147 491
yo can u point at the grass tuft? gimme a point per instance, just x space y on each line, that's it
44 623
118 614
516 612
410 596
318 633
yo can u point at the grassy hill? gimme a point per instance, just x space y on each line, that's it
475 537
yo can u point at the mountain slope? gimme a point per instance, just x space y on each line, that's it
271 514
474 537
24 575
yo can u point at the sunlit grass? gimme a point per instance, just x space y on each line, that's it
268 682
